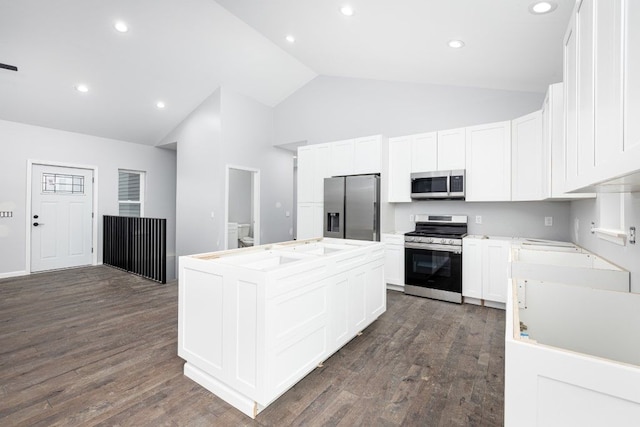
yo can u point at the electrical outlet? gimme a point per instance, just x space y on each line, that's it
412 218
478 219
548 221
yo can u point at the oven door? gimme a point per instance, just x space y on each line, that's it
433 267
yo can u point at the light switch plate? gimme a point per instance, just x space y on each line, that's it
548 221
478 219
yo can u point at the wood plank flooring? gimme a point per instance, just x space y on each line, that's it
97 346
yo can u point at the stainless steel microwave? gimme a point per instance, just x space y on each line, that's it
438 185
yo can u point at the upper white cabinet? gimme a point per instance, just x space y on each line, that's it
553 141
488 159
399 183
367 155
451 149
602 95
424 152
342 157
355 156
528 164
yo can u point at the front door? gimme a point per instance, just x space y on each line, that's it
61 217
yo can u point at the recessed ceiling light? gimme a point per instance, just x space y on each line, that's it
160 105
82 88
121 26
290 38
456 44
347 10
542 7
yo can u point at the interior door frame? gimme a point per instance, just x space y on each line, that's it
255 174
94 220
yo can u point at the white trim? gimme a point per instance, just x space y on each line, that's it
256 203
94 222
619 237
13 274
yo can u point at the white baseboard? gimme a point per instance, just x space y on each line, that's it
13 274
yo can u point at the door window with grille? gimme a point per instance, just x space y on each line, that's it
131 193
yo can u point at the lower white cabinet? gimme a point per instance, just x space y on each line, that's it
485 270
393 260
310 220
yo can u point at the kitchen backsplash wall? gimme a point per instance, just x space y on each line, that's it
515 219
583 212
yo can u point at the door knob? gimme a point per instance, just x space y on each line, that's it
35 217
35 224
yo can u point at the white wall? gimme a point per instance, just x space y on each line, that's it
21 142
199 179
334 108
228 129
583 212
248 139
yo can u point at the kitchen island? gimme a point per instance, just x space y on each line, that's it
254 321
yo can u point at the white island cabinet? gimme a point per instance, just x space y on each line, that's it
252 322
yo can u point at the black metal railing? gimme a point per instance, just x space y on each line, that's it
137 245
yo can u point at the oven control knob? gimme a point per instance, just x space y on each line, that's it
450 242
428 240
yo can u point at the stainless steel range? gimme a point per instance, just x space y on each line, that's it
433 257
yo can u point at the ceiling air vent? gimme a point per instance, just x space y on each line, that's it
8 67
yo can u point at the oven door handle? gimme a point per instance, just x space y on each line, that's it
430 247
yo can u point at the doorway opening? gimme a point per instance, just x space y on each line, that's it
61 227
242 201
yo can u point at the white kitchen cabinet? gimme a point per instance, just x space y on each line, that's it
571 106
472 268
342 158
488 159
399 181
528 163
367 155
355 156
451 149
585 77
485 270
310 220
424 152
602 65
553 142
394 260
313 161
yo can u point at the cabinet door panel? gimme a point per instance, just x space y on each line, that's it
342 158
367 152
321 156
489 162
632 76
424 152
451 149
472 268
585 79
608 88
571 106
495 273
528 163
306 186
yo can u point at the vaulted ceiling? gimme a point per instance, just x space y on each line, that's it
179 52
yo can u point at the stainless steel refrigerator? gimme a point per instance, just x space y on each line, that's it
352 207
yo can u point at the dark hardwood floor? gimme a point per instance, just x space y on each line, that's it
97 346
